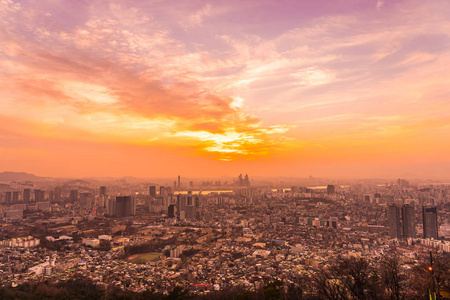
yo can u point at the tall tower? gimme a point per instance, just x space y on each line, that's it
73 196
430 223
152 191
8 197
179 181
162 191
246 181
409 221
26 195
103 191
125 206
15 197
395 229
39 195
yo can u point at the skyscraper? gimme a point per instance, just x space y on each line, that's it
179 181
58 194
8 197
152 191
395 229
181 204
15 197
87 200
409 221
103 191
171 211
330 189
73 196
110 206
124 206
162 191
26 195
39 195
430 223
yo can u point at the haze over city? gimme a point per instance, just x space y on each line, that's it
211 149
354 89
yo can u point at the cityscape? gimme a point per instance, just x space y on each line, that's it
225 150
211 236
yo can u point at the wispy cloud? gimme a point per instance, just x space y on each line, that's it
231 80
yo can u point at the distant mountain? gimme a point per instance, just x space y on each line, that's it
18 176
77 182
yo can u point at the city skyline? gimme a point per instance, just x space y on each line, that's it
346 89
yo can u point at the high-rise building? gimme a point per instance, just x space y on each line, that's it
110 206
409 221
190 212
103 191
87 200
26 195
152 191
58 194
171 211
190 200
39 195
395 229
125 206
181 204
15 197
179 181
246 181
330 189
51 196
8 197
430 223
162 191
73 196
332 222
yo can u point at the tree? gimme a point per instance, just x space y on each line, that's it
392 279
274 290
431 275
347 278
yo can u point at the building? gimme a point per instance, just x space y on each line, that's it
162 191
103 191
8 197
73 196
190 212
179 181
243 182
332 222
110 206
125 206
91 242
15 197
430 223
409 221
152 191
395 228
39 195
181 205
87 200
330 189
171 211
58 194
26 195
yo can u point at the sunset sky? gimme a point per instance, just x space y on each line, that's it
342 88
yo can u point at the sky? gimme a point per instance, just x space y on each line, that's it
342 88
